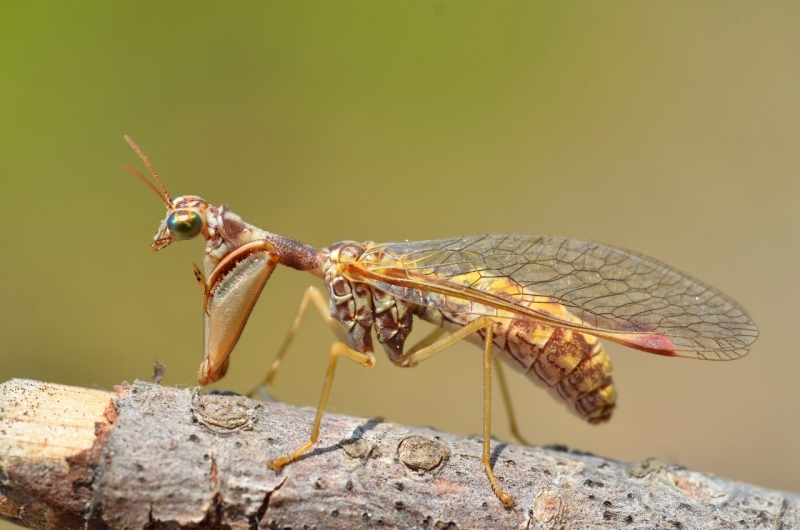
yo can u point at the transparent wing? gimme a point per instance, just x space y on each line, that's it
598 289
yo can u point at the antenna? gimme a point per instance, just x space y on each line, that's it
165 197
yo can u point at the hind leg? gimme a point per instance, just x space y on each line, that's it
424 351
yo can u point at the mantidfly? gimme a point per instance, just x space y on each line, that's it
539 303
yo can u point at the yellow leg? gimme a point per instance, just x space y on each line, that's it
512 421
314 295
338 348
424 351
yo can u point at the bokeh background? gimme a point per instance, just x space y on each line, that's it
668 128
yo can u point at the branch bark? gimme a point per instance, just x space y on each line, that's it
152 457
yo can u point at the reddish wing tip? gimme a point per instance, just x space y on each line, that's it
650 343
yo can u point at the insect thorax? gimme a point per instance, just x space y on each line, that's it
359 307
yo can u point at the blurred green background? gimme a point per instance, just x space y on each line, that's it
668 128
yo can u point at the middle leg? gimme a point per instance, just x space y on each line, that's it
425 351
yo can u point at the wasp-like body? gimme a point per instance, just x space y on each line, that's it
539 303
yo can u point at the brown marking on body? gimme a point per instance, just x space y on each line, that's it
233 230
342 298
592 372
499 329
364 314
524 341
597 405
560 355
393 323
351 304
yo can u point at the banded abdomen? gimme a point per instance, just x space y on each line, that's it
570 364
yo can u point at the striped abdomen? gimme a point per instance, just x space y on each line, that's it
571 364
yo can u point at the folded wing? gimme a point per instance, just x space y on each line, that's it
597 289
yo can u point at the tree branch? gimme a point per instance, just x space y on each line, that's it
156 457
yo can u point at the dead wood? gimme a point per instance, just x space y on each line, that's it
152 457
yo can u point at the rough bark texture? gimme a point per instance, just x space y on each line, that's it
156 457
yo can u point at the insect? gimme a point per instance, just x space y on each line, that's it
539 303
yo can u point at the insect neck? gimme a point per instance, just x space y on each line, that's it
229 231
296 254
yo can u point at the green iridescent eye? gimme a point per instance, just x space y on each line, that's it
184 224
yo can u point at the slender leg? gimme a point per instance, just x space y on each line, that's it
504 497
425 349
512 421
416 356
338 348
428 340
314 295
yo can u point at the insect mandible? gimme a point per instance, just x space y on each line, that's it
539 303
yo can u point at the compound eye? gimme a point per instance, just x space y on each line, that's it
184 224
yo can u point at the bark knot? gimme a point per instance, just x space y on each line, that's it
355 447
221 412
421 454
547 506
